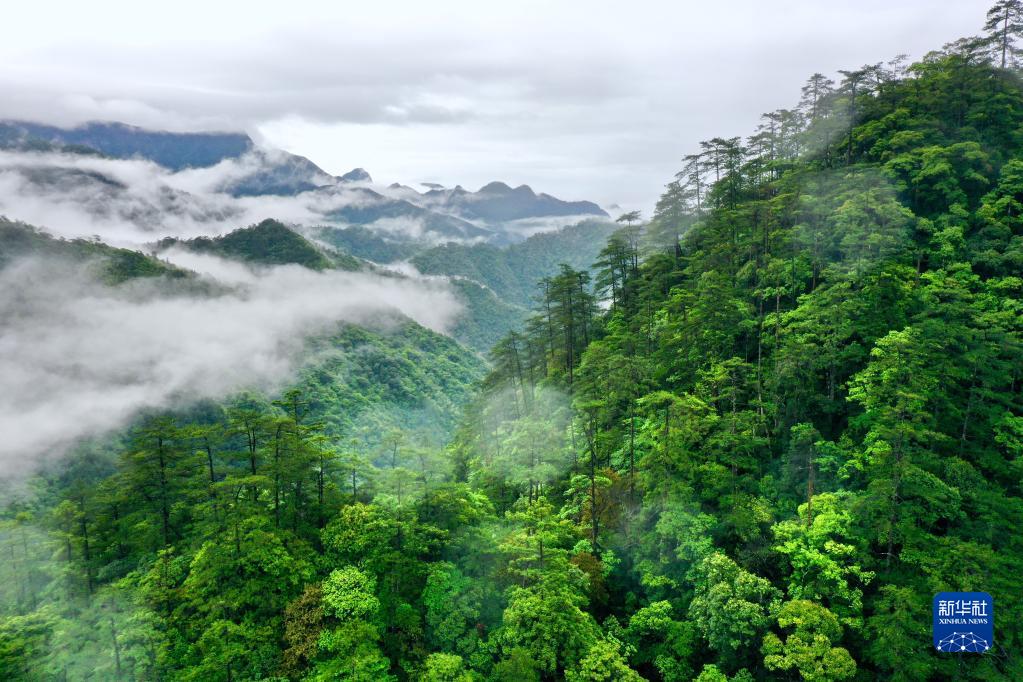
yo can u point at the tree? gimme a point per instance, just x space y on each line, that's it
603 663
454 604
537 547
628 218
351 647
900 615
660 643
547 620
825 556
517 666
895 391
732 607
616 267
155 470
1004 26
445 668
304 620
807 648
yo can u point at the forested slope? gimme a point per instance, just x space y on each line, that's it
801 420
113 265
267 243
512 271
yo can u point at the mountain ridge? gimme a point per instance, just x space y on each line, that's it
274 172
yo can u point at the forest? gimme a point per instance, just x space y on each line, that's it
751 442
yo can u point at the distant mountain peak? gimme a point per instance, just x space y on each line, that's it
495 187
174 151
497 202
251 170
356 175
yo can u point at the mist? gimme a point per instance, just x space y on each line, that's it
79 359
133 202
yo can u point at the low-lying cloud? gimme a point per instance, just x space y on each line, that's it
78 358
130 202
133 202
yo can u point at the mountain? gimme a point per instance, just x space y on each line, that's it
513 271
369 380
386 373
175 151
113 265
100 197
267 243
497 283
265 172
373 245
356 175
817 373
273 172
399 219
496 202
485 319
757 443
203 167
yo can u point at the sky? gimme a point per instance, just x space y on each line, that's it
584 100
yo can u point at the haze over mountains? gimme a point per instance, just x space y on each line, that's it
193 183
210 226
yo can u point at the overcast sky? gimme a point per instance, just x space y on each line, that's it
585 100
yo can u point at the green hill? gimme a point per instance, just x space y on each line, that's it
115 265
367 381
268 243
513 271
363 242
487 318
803 419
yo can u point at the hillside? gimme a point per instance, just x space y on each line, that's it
513 271
267 243
801 420
114 265
390 376
365 242
485 317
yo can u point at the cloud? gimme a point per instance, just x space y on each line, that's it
132 202
125 202
78 358
524 228
588 100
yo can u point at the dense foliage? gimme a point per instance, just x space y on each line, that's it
776 421
800 416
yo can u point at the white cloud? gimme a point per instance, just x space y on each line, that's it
132 202
81 358
587 100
